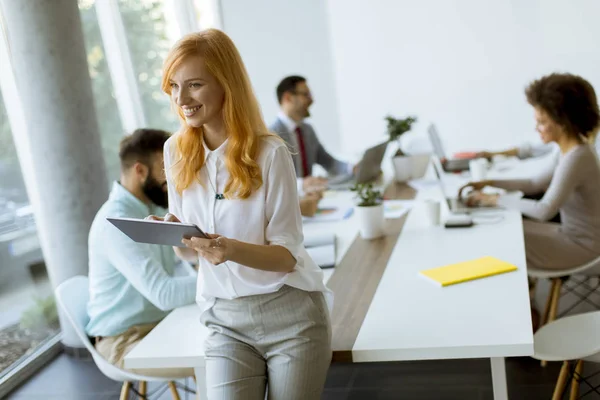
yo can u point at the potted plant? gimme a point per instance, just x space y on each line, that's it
406 167
398 127
369 210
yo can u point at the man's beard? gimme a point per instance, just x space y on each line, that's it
154 191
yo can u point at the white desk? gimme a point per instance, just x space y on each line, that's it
484 318
487 318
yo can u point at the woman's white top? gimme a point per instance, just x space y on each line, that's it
270 216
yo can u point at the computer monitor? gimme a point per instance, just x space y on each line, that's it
370 166
436 142
368 169
439 173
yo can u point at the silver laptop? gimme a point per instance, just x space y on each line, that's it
449 165
455 205
368 169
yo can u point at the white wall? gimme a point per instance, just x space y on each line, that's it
461 63
280 38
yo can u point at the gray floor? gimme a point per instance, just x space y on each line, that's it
67 378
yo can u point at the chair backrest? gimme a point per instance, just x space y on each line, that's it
72 297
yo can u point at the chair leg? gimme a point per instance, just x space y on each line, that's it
174 392
555 299
553 309
548 304
143 388
532 286
575 380
561 382
125 391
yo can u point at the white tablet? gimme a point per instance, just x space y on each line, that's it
157 232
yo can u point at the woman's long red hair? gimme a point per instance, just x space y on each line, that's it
241 115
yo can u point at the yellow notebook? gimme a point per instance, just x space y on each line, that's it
467 271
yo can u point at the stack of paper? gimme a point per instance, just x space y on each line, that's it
396 208
330 213
321 248
467 271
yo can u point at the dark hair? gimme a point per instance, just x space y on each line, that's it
141 145
568 99
288 84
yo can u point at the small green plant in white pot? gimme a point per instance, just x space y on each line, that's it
405 167
398 127
369 210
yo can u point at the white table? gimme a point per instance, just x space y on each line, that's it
485 318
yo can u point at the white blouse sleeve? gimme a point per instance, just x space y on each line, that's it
284 223
174 197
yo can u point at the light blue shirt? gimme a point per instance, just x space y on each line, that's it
130 283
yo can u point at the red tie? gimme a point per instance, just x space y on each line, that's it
305 171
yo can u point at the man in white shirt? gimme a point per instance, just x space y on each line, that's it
530 150
295 99
527 150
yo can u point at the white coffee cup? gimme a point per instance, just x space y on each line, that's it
478 169
432 210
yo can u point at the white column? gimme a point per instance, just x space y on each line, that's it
214 19
195 15
185 15
56 131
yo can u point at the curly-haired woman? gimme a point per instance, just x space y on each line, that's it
566 112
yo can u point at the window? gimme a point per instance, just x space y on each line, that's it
27 309
151 31
107 113
12 187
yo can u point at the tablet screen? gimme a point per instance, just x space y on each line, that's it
157 232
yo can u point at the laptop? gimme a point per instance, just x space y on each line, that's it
455 205
449 165
368 169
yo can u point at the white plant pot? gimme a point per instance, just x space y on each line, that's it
371 221
402 168
407 168
420 163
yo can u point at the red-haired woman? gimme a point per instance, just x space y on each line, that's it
263 297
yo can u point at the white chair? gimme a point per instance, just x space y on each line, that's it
72 297
573 340
561 279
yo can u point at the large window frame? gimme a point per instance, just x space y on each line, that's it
120 65
127 94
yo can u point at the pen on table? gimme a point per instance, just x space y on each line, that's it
348 213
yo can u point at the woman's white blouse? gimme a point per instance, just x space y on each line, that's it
271 215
